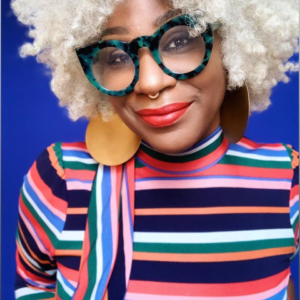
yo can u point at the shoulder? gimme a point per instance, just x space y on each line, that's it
272 155
61 155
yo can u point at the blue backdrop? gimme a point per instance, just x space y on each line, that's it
32 120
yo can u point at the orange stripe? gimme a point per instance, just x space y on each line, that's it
209 210
77 210
211 257
210 290
54 162
105 297
68 252
32 254
27 262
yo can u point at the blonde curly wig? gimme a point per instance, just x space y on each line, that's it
258 37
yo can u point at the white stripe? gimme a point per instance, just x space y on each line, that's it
39 212
99 249
79 159
211 237
294 216
64 286
258 156
72 235
193 150
285 296
25 291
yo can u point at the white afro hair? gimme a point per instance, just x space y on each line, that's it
258 38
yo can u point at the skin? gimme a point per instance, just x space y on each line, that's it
206 90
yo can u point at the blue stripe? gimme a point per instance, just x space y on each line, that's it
67 283
278 153
107 243
53 219
279 295
294 208
213 177
74 153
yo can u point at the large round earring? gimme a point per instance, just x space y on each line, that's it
111 143
234 113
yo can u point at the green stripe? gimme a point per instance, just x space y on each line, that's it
61 292
70 245
43 295
289 151
185 158
241 161
92 259
58 152
138 164
212 248
296 221
80 166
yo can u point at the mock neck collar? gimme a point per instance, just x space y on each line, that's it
199 157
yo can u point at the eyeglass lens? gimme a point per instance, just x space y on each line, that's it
179 51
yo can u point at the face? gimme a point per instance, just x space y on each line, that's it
195 102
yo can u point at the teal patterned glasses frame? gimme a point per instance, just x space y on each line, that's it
112 66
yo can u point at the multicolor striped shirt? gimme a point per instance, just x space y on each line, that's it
218 220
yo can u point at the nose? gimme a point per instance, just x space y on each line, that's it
152 78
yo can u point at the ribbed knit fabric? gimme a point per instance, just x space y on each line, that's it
218 221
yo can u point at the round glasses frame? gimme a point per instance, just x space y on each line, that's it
86 54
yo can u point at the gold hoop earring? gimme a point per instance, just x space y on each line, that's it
234 113
111 143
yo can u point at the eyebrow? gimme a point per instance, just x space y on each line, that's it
156 23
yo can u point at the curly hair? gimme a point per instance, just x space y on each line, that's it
258 38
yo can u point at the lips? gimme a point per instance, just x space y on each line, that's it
164 116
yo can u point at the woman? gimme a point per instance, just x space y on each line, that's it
166 199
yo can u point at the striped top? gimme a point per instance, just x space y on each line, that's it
219 220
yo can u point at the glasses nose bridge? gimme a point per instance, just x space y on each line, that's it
140 42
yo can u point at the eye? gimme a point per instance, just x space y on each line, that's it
179 42
118 58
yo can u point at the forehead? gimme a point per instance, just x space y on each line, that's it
139 17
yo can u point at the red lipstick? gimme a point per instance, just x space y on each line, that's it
164 116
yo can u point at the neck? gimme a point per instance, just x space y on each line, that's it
200 156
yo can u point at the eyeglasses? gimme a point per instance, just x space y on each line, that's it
112 66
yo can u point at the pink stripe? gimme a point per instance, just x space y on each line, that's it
206 183
55 211
128 243
114 211
78 185
74 148
263 295
295 200
275 148
32 232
